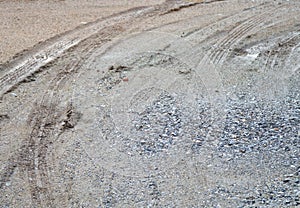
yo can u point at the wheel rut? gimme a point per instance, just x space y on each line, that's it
130 113
49 118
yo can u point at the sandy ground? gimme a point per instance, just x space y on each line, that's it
177 104
26 23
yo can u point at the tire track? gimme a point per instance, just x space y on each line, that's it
283 49
238 33
47 121
19 70
45 124
211 57
214 58
208 66
50 116
223 21
244 29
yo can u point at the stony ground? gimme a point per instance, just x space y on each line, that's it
169 104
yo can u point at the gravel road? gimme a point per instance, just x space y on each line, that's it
174 104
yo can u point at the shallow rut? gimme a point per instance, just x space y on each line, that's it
140 113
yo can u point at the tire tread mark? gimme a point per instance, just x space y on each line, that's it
44 121
236 34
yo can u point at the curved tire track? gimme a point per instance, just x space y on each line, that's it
46 120
50 116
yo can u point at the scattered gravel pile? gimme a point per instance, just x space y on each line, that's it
284 193
262 132
159 126
262 127
274 194
165 123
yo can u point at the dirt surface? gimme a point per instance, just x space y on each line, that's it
173 104
27 22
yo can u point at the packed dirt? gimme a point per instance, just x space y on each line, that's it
24 23
167 104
